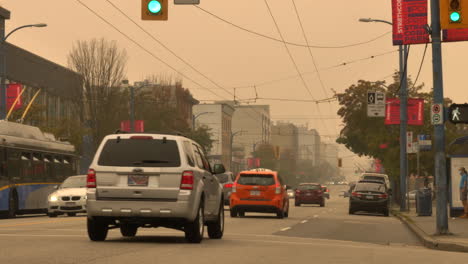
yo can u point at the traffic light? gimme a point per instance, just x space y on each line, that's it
154 9
453 14
458 113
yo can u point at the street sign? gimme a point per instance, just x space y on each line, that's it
375 104
458 113
437 116
409 142
425 142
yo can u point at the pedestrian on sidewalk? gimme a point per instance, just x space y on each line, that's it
464 191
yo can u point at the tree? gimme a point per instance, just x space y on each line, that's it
365 136
202 136
102 66
266 154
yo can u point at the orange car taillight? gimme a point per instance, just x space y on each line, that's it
278 189
234 188
228 185
187 180
91 179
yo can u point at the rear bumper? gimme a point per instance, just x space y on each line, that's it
368 205
185 208
309 200
256 208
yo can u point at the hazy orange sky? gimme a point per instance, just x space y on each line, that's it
235 58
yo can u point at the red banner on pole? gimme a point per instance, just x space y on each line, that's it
13 91
139 126
409 22
415 112
455 34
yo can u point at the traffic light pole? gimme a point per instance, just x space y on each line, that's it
439 130
403 125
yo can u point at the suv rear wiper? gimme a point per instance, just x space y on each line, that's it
149 161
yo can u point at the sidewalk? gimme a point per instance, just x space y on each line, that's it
424 227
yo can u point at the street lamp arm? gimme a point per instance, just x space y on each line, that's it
21 27
375 20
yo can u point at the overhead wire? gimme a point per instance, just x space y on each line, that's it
420 66
288 42
144 49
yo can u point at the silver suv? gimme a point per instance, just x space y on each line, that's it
153 180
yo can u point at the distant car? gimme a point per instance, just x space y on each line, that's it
370 196
261 191
290 193
227 180
69 198
326 192
309 193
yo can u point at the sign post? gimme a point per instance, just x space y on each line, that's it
437 117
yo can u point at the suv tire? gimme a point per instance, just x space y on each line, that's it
280 214
286 214
351 211
194 230
128 230
97 229
322 204
216 229
385 212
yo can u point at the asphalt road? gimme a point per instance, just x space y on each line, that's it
311 233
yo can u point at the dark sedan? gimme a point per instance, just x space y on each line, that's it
309 193
369 196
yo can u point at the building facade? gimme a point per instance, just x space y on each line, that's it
308 145
217 117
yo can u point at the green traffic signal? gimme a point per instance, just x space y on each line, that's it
154 6
455 17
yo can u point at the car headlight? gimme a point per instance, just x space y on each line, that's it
53 198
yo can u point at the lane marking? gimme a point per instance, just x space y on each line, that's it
285 229
43 222
315 216
304 221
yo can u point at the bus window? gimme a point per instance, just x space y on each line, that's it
38 167
49 168
3 175
59 168
27 172
13 165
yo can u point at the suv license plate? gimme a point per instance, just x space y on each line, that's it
255 193
137 180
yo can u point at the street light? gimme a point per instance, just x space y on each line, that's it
402 51
232 142
125 84
3 65
196 116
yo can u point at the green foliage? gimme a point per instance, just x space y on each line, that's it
266 154
202 136
364 135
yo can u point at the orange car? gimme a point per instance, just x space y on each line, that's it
261 191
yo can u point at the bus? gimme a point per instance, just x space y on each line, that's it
32 163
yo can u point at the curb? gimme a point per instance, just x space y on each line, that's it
426 239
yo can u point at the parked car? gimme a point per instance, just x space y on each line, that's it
309 193
69 198
152 180
371 196
261 191
226 179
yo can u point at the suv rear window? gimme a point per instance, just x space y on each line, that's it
256 179
309 187
140 152
369 187
377 178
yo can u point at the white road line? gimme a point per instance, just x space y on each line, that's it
285 229
304 221
315 216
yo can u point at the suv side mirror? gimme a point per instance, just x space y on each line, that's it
218 169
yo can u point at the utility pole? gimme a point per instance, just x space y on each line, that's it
439 130
4 15
403 126
132 108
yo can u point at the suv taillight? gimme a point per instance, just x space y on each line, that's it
187 180
278 189
91 179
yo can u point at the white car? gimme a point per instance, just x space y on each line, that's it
69 198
